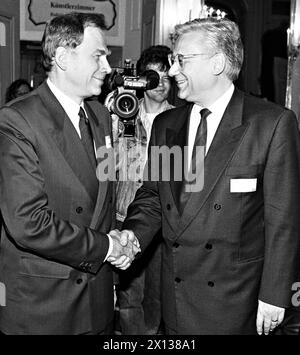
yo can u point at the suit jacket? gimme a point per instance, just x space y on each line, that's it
56 215
227 250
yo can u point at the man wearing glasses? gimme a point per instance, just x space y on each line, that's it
231 250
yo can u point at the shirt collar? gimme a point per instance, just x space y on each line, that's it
219 106
142 108
70 106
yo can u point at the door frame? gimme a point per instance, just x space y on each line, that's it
10 11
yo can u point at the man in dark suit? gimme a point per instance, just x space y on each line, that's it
231 250
56 213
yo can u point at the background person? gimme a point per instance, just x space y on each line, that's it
139 296
16 89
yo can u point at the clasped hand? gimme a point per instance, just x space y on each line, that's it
125 248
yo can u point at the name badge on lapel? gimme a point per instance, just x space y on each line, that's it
108 142
243 185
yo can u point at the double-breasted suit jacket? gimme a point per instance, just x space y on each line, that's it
56 215
229 247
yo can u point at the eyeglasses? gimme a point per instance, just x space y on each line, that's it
179 58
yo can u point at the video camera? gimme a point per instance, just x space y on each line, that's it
123 101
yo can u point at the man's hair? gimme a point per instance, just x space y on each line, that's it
220 36
154 55
67 31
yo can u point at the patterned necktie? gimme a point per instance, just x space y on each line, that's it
86 136
200 140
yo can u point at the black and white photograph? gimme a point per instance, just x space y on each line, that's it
149 171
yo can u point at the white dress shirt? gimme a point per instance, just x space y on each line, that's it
217 110
70 106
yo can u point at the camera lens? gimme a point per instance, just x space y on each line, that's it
126 105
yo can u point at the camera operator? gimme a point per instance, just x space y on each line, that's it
139 286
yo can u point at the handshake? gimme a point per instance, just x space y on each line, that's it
125 247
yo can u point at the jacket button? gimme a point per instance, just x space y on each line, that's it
208 246
211 284
178 280
217 207
176 245
79 281
168 207
79 210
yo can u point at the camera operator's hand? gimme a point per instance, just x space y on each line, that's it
125 247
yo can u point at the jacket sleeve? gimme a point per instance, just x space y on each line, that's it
29 221
144 213
282 213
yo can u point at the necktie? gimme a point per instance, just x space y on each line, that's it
86 136
201 135
200 140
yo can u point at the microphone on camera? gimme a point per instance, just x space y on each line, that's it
148 80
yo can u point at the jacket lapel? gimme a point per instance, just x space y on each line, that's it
100 125
177 136
66 138
96 126
226 140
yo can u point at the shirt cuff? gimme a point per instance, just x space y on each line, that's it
110 248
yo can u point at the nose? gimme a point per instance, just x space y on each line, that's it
174 70
161 81
105 67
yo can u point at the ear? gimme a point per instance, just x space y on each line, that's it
218 63
61 58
